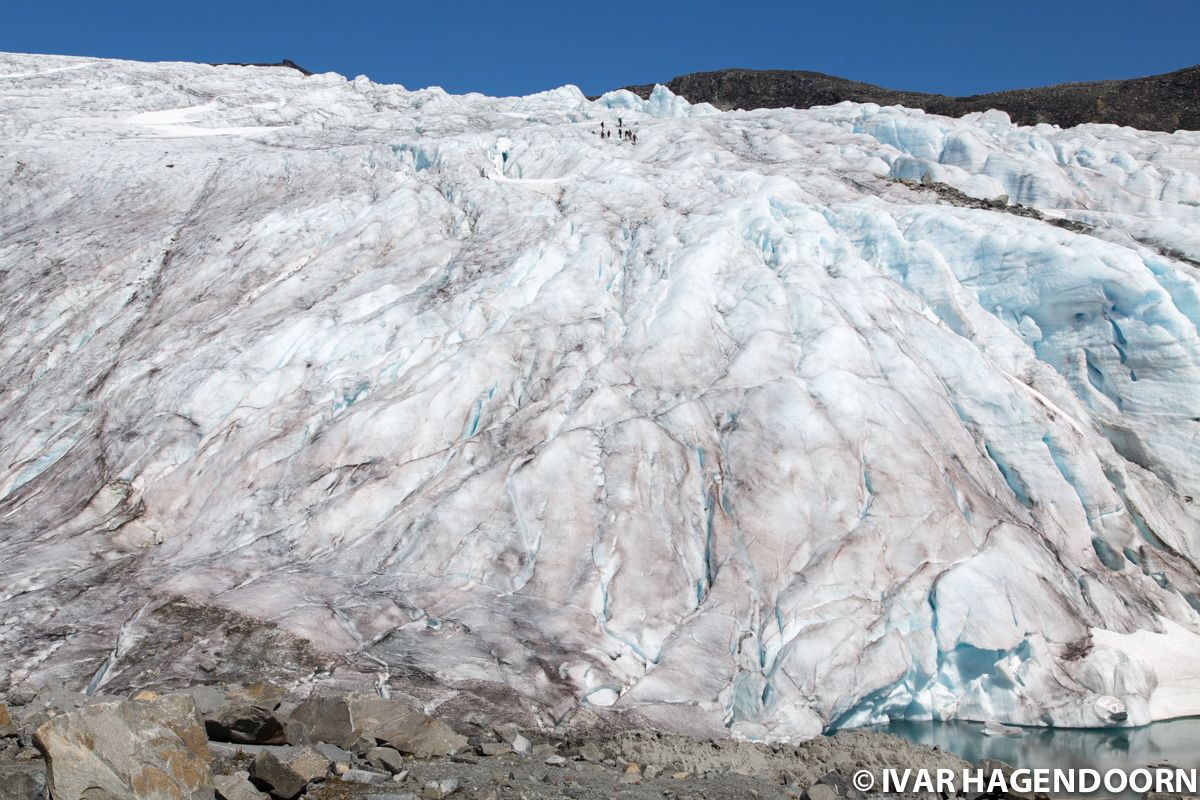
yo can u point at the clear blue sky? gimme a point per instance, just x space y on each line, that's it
961 47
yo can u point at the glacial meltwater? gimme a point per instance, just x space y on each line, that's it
1174 743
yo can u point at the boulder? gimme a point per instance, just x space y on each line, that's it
286 772
334 753
209 698
236 787
244 714
493 748
591 752
438 790
404 728
22 780
511 734
386 758
365 777
7 728
230 750
58 698
841 785
133 750
323 718
49 702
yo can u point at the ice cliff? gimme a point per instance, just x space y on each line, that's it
733 427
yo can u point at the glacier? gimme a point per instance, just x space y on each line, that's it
748 428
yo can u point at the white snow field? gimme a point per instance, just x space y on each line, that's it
729 428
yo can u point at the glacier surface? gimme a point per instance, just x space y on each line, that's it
741 427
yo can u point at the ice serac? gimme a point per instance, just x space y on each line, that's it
740 427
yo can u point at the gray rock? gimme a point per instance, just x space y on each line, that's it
363 744
386 758
506 732
821 792
209 698
134 750
236 787
555 761
437 790
493 748
392 796
334 752
652 771
365 777
245 714
841 785
405 728
56 698
287 772
49 703
233 749
22 780
591 752
323 718
510 733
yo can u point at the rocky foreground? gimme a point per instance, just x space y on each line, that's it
254 742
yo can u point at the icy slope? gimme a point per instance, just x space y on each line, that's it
729 427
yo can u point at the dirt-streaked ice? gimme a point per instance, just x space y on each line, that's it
731 426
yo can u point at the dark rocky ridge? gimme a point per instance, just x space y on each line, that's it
1166 102
287 63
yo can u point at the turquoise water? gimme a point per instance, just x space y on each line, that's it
1173 742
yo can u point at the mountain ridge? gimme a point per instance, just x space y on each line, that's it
1165 102
285 63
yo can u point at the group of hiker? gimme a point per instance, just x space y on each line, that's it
623 133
